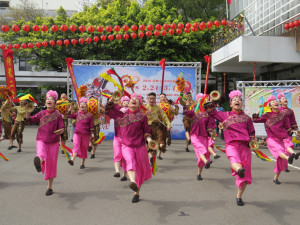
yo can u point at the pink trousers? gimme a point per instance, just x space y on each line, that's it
137 160
48 152
81 144
200 145
277 146
239 152
288 142
118 157
211 142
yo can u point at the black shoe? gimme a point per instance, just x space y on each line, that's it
123 179
117 174
90 148
291 158
49 192
13 146
82 167
133 186
276 181
71 162
241 172
9 148
159 157
199 177
169 143
92 156
19 150
72 140
207 164
287 170
135 199
217 156
239 202
187 150
297 155
37 164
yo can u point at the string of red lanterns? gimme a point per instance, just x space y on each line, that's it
292 25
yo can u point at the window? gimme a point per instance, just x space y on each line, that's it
24 64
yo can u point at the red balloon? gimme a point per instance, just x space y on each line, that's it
26 28
81 41
217 23
108 29
178 31
186 30
66 42
74 41
44 28
9 46
16 46
148 33
118 36
54 28
59 43
99 29
23 45
125 36
163 33
133 35
96 39
209 25
173 26
88 40
180 26
73 28
5 28
171 31
195 25
141 34
35 28
296 22
37 44
45 44
142 27
103 37
30 45
292 25
110 37
15 28
224 22
63 28
166 26
134 28
117 28
2 46
51 42
286 26
91 29
125 28
81 28
156 33
150 27
194 29
188 25
158 27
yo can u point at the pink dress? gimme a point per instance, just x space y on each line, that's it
200 126
47 142
83 129
238 131
277 126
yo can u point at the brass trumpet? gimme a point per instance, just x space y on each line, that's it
215 95
254 145
213 135
29 107
116 96
153 145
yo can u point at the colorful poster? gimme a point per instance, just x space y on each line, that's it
256 96
146 79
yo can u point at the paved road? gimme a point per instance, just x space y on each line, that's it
173 196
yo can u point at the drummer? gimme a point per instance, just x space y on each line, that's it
62 110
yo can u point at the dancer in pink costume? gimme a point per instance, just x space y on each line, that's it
51 126
201 127
278 128
84 130
238 131
134 130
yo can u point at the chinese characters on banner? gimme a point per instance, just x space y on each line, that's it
9 71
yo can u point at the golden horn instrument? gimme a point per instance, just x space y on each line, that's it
153 145
220 126
29 107
213 135
254 145
116 96
215 95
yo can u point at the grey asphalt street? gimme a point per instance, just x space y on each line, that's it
173 196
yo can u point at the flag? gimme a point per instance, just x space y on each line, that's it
106 95
3 157
262 156
66 150
110 79
101 138
28 97
154 166
222 150
162 63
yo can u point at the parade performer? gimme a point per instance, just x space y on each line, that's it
64 99
134 130
238 131
51 126
6 119
201 128
278 128
170 112
154 114
84 130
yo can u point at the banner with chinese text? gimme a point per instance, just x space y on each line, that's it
9 71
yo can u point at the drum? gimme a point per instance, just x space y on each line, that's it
62 106
93 106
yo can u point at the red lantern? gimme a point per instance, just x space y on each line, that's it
59 43
171 31
9 46
180 26
88 40
125 28
166 26
54 28
30 45
178 31
209 25
44 28
141 35
163 33
134 28
195 25
292 25
35 28
15 28
142 27
158 27
45 44
156 33
103 37
99 29
286 26
148 33
81 28
118 36
125 36
133 35
23 45
63 28
26 28
81 41
117 28
73 28
194 29
202 26
296 22
16 46
66 42
188 25
108 29
173 26
51 42
186 30
224 22
217 23
37 44
74 41
5 28
91 29
2 46
96 39
110 37
150 27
